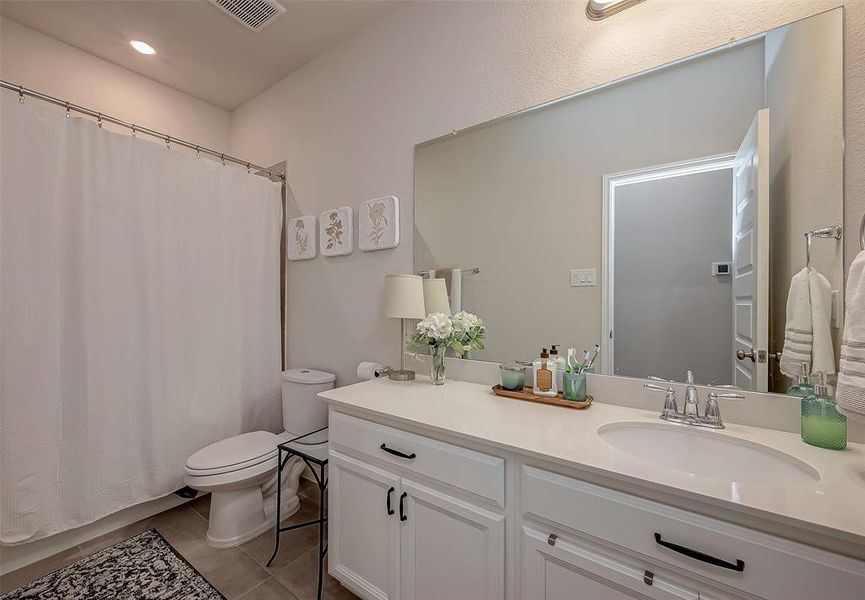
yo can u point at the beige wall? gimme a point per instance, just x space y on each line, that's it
804 76
39 62
521 199
347 123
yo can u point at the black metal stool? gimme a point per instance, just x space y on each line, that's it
304 447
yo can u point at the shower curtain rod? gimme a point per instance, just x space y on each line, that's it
100 117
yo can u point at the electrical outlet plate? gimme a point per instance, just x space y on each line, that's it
584 277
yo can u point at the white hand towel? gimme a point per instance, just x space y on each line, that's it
798 332
456 295
808 334
823 352
850 393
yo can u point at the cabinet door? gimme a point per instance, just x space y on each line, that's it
570 571
363 539
449 548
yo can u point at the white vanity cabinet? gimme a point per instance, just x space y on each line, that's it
414 516
398 526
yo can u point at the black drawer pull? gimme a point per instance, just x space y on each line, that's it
402 516
398 453
389 509
697 555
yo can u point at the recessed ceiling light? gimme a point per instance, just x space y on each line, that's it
601 9
142 47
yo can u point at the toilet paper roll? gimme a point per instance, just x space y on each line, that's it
369 370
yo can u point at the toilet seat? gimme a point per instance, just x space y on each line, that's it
234 454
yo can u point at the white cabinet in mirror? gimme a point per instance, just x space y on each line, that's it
688 188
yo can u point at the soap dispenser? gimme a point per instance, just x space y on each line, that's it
802 388
561 366
544 375
822 425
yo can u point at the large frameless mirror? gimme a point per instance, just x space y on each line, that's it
687 218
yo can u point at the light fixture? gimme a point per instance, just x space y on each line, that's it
142 47
403 299
601 9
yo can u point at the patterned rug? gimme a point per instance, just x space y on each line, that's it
144 567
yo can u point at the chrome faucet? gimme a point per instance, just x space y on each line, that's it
690 414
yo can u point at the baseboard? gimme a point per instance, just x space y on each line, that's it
14 557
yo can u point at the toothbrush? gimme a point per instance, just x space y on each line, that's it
585 359
594 356
572 360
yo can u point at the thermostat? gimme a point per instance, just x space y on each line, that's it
721 268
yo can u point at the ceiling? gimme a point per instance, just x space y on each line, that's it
199 49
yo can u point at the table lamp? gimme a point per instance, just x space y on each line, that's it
435 297
403 299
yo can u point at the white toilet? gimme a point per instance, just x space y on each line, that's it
240 472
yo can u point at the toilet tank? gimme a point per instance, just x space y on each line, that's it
302 410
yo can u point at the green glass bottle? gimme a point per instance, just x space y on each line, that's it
802 388
822 425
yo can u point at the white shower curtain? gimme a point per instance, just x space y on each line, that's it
139 316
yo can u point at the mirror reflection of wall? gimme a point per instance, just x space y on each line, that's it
523 198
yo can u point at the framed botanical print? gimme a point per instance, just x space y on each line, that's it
336 231
378 224
302 242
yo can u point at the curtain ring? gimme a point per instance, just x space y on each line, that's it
247 168
222 158
198 151
67 109
168 142
99 120
21 94
133 130
270 173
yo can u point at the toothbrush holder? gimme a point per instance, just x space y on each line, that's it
575 386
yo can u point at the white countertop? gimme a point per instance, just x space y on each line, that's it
834 505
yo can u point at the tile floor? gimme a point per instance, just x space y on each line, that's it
239 573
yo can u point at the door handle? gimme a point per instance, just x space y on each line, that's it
739 565
402 516
398 453
389 509
742 355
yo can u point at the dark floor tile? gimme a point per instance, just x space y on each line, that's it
201 505
292 544
301 577
182 527
230 570
269 590
15 579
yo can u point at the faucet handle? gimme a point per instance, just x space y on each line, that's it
653 378
670 407
712 415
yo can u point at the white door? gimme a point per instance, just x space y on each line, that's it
751 257
566 570
363 535
449 549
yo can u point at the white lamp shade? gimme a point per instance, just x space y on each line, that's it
403 297
435 296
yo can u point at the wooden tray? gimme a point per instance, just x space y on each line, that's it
526 394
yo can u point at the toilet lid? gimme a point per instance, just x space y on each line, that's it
236 452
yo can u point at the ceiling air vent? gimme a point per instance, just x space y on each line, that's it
255 14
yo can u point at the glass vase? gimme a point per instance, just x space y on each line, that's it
437 364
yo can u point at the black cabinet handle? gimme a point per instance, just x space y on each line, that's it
402 516
389 509
697 555
398 453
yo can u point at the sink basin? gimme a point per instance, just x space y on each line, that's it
705 453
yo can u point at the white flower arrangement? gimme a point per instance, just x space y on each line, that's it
435 330
469 333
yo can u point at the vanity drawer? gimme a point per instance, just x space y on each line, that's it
772 568
465 469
